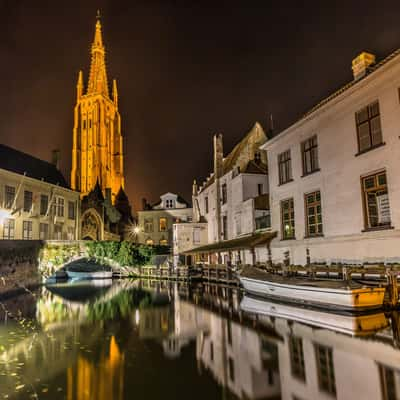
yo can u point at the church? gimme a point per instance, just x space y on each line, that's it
97 152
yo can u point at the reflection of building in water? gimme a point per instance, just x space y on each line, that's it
100 380
238 357
322 364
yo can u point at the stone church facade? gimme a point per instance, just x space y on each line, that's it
97 152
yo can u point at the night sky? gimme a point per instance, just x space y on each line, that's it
184 73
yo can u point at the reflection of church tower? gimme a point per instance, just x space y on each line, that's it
97 153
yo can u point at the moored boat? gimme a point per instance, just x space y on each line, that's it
334 294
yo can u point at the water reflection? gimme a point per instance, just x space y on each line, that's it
156 340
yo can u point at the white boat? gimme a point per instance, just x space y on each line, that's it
89 275
335 294
357 325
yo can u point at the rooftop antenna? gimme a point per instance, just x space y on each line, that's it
271 126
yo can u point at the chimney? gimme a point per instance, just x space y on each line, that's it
55 158
218 156
144 204
361 65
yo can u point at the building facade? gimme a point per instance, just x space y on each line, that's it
97 152
233 202
335 190
35 200
156 221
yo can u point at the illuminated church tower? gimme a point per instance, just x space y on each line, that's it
97 152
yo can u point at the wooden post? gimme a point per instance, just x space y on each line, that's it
269 255
253 256
345 273
392 287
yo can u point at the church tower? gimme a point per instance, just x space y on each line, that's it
97 148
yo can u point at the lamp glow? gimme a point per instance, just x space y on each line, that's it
4 214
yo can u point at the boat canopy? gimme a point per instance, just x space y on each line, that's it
242 243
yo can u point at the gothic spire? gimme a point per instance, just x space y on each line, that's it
98 75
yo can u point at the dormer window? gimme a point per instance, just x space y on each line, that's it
169 203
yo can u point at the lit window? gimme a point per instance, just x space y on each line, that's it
149 242
376 201
8 229
287 218
163 224
43 231
313 214
27 230
369 132
163 242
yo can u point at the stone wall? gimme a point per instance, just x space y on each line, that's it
18 265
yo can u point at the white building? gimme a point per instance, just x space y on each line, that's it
233 201
156 221
35 200
334 181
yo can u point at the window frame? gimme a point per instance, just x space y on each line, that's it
8 201
28 201
46 231
314 204
9 225
27 230
285 167
376 188
71 210
370 117
310 146
42 203
159 224
291 221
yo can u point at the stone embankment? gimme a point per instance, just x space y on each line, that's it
18 266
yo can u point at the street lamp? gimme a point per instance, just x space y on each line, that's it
4 214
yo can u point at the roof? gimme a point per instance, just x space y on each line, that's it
246 242
233 158
21 163
179 199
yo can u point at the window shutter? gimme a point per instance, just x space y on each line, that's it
376 132
363 136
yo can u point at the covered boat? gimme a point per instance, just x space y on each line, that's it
335 294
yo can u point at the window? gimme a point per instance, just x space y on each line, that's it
148 224
313 214
309 149
297 358
163 224
27 200
389 378
263 222
224 195
8 229
238 224
326 372
44 204
260 189
231 368
163 242
206 204
58 206
70 233
369 132
27 230
287 218
196 235
58 231
285 167
224 227
211 351
169 203
376 201
9 196
43 231
71 210
149 242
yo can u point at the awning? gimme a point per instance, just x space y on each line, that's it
246 242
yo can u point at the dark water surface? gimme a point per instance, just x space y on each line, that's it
151 340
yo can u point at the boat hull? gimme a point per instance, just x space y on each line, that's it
89 275
360 299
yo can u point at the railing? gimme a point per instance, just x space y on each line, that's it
263 222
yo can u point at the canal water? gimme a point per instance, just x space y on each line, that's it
155 340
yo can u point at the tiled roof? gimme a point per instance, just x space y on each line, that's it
16 161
